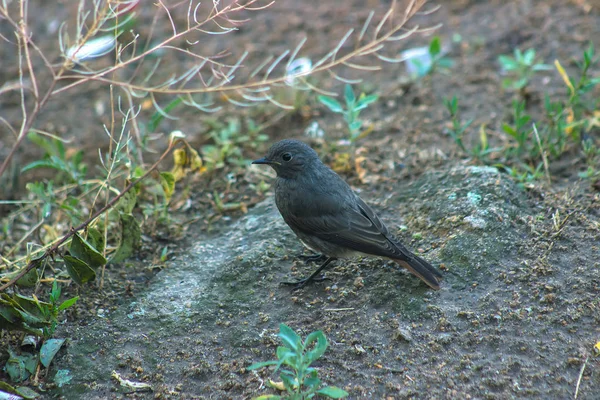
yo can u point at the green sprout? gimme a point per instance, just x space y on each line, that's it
520 68
435 60
300 380
352 111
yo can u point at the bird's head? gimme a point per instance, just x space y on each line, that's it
289 158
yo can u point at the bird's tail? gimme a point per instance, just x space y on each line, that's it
422 269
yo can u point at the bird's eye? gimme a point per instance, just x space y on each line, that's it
286 156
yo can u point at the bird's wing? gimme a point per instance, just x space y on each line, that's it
356 228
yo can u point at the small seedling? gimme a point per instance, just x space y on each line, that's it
458 128
591 152
431 61
520 69
300 380
352 111
228 142
521 130
480 150
525 173
71 168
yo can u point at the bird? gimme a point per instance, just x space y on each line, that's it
328 217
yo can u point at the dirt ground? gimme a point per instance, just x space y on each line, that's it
408 142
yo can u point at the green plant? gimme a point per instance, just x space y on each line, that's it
521 67
554 133
71 168
435 60
352 111
228 142
458 128
520 131
524 173
29 314
300 381
581 111
38 318
479 150
591 152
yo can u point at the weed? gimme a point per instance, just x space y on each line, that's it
479 150
433 61
525 173
520 131
521 67
458 128
591 153
71 168
300 381
352 111
228 142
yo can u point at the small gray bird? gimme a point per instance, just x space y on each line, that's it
328 217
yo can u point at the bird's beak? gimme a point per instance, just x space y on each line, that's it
261 161
264 160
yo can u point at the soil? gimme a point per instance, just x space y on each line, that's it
515 321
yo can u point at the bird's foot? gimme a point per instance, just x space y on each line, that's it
316 258
299 284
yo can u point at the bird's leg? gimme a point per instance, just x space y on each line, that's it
312 258
302 282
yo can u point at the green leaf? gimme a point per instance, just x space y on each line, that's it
542 67
528 57
331 103
523 120
33 311
84 251
68 303
289 337
288 381
42 142
96 239
49 350
261 365
283 352
349 96
320 347
20 367
435 46
508 63
158 116
41 164
268 397
30 279
127 201
167 181
78 270
518 55
22 313
26 392
55 292
130 238
520 83
313 382
333 392
509 130
364 101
